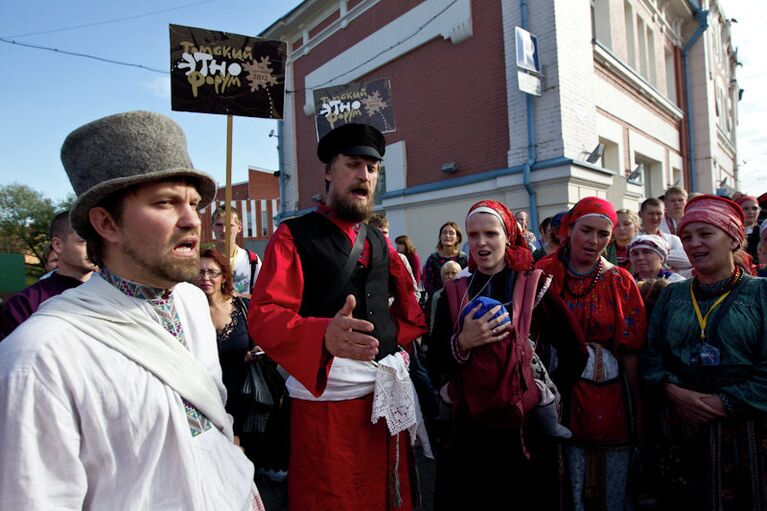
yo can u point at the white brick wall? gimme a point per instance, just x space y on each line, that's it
546 107
288 143
576 77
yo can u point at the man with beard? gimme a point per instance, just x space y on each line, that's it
320 309
73 269
111 393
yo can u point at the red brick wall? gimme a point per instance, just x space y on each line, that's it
239 192
449 100
324 23
263 185
260 186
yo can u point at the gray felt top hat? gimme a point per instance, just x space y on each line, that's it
123 150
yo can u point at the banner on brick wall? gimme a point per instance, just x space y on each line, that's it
359 102
224 73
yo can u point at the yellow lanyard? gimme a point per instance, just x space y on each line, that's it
703 320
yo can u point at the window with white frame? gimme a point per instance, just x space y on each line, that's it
642 44
668 54
646 53
600 15
610 155
628 19
652 175
676 177
652 75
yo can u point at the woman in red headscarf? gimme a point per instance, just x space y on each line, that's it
602 408
483 362
750 206
706 357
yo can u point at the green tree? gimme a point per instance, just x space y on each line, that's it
25 217
66 202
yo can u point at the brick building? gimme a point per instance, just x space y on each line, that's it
619 79
256 201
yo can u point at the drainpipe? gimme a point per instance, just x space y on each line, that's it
281 163
531 151
701 17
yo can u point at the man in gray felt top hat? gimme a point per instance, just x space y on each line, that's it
111 392
321 311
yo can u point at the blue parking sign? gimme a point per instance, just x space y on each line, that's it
527 50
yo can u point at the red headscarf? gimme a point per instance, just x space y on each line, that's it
588 206
746 198
554 263
518 256
717 211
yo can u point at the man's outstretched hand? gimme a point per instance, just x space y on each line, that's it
345 337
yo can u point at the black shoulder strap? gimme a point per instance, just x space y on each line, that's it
253 266
242 305
348 268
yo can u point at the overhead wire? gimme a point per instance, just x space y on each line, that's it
401 41
155 70
9 39
105 22
84 55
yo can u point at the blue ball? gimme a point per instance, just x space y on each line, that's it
487 304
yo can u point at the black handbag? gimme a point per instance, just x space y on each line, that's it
258 396
261 386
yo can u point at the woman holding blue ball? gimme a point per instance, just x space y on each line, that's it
487 328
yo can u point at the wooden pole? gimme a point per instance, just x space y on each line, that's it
228 194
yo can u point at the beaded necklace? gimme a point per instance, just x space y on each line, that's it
708 291
586 273
593 273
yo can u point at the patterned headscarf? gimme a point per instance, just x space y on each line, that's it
586 207
651 241
746 198
718 211
518 256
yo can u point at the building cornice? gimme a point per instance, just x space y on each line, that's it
429 19
605 57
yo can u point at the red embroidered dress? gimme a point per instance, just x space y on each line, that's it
611 314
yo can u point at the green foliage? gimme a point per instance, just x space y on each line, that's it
66 202
25 218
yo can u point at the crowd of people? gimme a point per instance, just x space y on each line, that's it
618 362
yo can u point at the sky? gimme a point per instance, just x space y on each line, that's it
45 95
749 38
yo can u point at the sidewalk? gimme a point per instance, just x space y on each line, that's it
275 495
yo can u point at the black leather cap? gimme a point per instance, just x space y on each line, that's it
352 140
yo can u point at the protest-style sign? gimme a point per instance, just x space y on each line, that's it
359 102
224 73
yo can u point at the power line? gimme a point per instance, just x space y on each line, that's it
106 22
401 41
4 39
84 55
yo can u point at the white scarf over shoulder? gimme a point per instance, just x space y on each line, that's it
105 314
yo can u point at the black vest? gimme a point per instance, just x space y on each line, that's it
323 249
